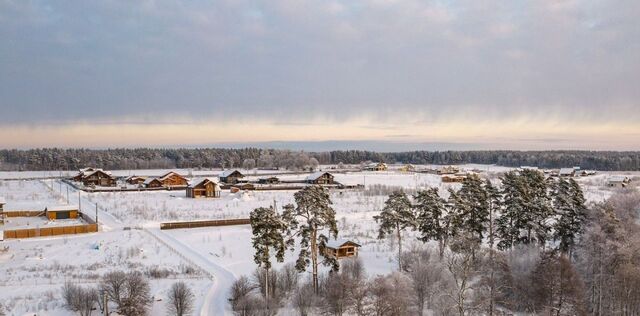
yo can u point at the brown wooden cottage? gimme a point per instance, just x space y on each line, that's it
207 188
231 176
320 178
341 248
168 180
242 187
95 177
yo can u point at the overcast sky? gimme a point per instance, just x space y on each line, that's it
501 74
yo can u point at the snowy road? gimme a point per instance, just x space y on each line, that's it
215 303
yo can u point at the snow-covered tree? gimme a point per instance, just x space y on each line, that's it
396 216
311 215
430 217
269 233
569 204
470 206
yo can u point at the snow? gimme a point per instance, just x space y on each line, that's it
33 270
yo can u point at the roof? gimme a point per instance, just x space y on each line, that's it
2 200
61 208
149 180
618 178
229 172
136 177
337 243
317 175
168 174
566 171
92 171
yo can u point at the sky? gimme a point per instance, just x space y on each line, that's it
378 75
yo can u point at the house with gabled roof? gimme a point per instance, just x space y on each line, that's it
205 188
231 176
95 177
320 177
340 248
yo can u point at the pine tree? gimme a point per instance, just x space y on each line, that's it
470 205
430 217
269 231
569 204
311 215
396 216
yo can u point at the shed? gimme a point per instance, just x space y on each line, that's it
618 181
242 187
320 178
452 178
448 170
376 166
207 188
61 212
408 168
231 176
341 248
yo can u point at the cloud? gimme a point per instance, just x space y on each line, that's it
337 61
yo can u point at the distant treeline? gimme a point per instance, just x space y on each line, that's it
148 158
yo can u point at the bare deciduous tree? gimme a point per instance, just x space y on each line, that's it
180 302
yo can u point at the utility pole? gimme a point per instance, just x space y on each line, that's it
79 202
96 213
105 304
67 194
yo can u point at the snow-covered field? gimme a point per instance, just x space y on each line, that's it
33 270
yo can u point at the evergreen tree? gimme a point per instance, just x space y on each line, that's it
396 216
470 205
569 204
269 231
311 215
430 217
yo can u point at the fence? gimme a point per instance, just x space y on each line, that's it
50 231
210 223
23 213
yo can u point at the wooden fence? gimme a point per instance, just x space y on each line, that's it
23 213
210 223
50 231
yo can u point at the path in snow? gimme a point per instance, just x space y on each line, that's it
216 300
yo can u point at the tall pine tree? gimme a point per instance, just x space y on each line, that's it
470 205
396 216
311 215
569 204
430 217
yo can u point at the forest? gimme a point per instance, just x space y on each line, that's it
155 158
529 246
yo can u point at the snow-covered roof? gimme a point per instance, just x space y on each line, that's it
197 182
564 171
229 172
168 174
337 243
618 178
316 175
528 168
62 208
149 180
91 171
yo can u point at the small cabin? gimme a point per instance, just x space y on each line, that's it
341 248
408 168
269 180
320 178
207 188
242 187
231 176
152 183
61 212
136 180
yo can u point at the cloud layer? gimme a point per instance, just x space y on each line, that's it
383 61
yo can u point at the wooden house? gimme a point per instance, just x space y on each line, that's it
231 176
136 180
173 179
320 178
152 183
376 166
207 188
408 168
341 248
61 212
269 180
95 177
567 172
